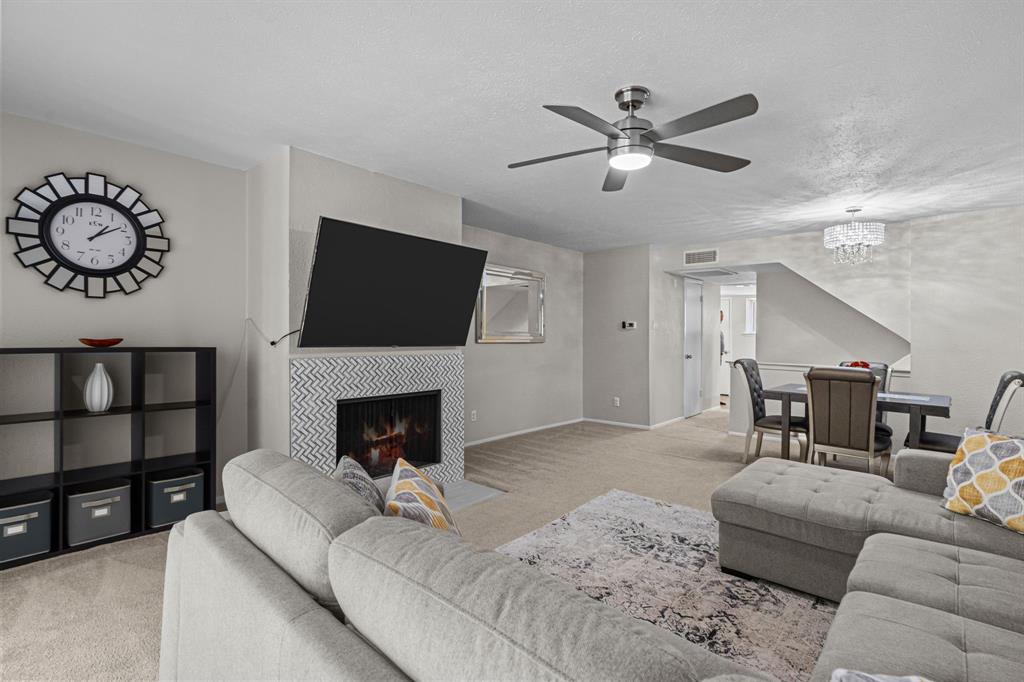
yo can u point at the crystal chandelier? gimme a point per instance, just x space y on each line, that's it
851 242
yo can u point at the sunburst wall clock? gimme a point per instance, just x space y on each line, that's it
88 234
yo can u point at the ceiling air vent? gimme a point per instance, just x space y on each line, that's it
705 257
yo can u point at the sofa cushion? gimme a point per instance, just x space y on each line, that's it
880 634
292 512
986 479
413 495
441 610
839 509
977 585
352 474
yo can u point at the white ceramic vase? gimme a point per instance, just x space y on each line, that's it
99 390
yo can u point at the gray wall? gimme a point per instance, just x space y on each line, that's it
267 301
666 340
616 287
799 322
204 206
319 186
967 310
520 386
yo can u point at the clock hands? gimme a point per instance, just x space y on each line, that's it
107 229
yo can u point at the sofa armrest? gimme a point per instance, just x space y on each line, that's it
922 471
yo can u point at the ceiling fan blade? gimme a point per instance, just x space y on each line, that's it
584 117
614 180
723 163
542 159
723 112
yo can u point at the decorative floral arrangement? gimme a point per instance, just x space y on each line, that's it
861 364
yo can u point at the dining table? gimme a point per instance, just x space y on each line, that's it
916 405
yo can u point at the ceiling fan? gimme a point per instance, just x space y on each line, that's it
633 141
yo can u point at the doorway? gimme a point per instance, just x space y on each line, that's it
724 347
693 341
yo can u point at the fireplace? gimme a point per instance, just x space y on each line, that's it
376 431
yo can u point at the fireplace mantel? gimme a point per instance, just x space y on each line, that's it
316 384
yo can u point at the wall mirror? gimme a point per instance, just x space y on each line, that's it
510 306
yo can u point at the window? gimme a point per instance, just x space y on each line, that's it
750 321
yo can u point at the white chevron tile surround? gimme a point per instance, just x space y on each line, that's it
317 383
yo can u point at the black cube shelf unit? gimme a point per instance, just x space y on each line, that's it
136 469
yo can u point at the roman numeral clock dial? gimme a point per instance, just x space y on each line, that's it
88 234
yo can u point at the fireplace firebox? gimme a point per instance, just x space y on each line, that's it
377 430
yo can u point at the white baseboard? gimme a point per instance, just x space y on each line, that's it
665 423
628 425
521 432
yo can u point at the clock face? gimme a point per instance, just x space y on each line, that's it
88 234
93 236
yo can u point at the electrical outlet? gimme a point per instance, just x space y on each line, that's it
472 415
616 401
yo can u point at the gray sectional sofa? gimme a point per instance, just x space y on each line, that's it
303 579
923 591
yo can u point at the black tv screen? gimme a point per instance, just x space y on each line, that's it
371 287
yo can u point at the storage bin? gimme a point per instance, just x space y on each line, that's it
173 495
99 510
25 525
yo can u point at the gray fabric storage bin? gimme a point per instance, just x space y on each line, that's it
25 525
173 495
99 510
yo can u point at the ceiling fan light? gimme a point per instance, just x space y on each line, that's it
630 157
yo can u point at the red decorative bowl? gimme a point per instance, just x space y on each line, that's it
101 343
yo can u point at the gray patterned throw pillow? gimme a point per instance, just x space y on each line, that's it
354 475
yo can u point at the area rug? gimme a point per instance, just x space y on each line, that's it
659 562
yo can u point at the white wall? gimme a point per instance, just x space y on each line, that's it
616 287
204 209
520 386
743 345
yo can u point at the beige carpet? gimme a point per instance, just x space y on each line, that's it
96 614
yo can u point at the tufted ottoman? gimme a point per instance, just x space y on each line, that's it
803 525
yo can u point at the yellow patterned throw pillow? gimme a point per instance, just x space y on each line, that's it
986 479
414 496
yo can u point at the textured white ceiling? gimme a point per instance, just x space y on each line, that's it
909 108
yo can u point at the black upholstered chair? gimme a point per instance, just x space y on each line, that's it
842 406
1009 384
760 421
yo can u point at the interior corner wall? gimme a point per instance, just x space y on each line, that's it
516 387
712 346
616 361
267 301
204 208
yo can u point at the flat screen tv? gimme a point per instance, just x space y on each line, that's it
371 287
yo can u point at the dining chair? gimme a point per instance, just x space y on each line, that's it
879 369
842 405
884 373
1008 385
760 421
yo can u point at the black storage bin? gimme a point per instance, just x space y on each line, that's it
99 510
25 525
173 495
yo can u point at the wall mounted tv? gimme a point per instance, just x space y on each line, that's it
371 287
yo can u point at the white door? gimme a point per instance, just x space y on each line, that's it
725 347
693 315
